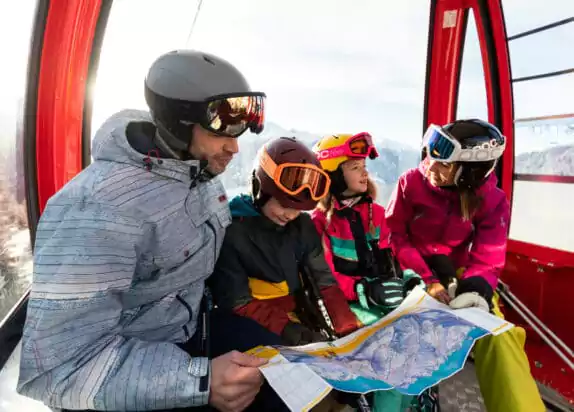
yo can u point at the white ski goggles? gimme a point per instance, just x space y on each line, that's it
442 147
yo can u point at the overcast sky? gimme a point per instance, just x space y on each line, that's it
326 65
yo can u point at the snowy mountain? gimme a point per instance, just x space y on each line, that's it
394 158
558 160
542 135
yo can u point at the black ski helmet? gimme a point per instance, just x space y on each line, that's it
471 134
181 84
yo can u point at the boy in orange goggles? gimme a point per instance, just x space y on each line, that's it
271 248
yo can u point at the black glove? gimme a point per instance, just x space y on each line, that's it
386 294
442 268
295 334
478 285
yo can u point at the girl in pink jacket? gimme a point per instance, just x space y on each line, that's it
449 214
449 222
356 241
352 225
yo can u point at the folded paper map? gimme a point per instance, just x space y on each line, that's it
416 346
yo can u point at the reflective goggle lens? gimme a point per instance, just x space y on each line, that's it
293 178
359 147
438 145
232 116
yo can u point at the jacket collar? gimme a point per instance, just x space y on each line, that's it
340 204
110 143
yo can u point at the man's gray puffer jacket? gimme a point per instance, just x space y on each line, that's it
120 260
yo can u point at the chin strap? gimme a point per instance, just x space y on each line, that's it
197 173
163 145
167 140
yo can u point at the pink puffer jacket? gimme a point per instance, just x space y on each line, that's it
425 220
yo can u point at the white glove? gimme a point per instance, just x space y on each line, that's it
452 288
469 300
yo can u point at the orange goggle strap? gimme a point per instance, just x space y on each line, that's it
275 172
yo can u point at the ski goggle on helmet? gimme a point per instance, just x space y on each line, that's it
224 115
443 147
233 115
293 178
357 146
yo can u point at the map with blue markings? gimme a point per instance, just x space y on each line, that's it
414 347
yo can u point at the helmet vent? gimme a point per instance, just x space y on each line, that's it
207 59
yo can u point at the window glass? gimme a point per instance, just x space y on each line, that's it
521 16
16 20
349 78
542 52
543 97
137 32
545 147
544 124
542 214
541 210
472 90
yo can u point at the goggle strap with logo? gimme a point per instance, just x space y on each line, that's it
445 148
358 146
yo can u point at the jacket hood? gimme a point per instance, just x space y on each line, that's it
111 144
243 206
490 183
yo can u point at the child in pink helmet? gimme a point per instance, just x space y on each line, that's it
355 239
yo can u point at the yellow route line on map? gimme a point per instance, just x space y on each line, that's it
264 352
317 400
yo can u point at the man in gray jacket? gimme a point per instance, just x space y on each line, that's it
118 308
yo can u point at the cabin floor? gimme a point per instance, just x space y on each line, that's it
461 392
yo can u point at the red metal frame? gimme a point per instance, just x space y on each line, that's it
542 118
66 52
545 256
547 292
544 178
443 63
538 275
498 79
